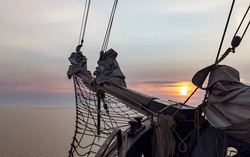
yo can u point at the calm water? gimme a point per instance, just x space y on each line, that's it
34 132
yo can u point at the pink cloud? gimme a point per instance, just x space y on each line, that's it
168 90
36 85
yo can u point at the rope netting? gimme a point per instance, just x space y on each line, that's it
95 123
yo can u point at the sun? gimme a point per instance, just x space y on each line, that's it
184 90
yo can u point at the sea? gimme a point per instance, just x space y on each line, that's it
36 132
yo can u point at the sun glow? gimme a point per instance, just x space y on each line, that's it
184 90
175 90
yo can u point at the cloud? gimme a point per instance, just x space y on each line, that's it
180 6
7 85
245 81
38 12
168 90
190 7
161 82
37 84
36 99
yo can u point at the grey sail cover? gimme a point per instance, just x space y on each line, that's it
78 63
228 106
108 70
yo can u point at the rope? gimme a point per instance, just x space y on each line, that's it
163 143
245 30
242 22
225 29
237 39
182 142
83 25
108 31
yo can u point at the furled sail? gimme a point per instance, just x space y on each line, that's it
108 69
228 103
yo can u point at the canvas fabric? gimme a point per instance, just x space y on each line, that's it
108 70
228 102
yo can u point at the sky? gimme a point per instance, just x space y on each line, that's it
161 45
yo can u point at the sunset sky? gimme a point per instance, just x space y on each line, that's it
161 45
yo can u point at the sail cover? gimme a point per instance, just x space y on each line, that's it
108 70
228 102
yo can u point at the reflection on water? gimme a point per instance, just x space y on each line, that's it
27 132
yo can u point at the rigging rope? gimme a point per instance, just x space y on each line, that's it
84 24
242 22
225 29
245 29
237 39
108 31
